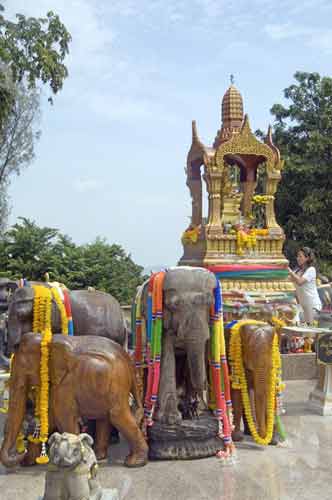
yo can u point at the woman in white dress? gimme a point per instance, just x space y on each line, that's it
304 279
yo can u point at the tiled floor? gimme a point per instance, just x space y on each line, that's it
302 470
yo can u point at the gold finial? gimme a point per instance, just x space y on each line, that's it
232 79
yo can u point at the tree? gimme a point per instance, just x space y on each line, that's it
30 251
19 133
303 132
17 140
4 207
32 51
109 268
35 49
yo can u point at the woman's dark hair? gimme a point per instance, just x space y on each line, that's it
309 254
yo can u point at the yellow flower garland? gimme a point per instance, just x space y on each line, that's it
245 240
278 323
239 380
190 236
262 199
62 310
42 323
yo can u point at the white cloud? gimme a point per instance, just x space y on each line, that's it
285 31
87 185
320 39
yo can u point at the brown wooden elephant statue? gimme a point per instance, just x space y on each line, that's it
90 377
257 343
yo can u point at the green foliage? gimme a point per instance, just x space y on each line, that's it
17 140
32 51
35 49
303 132
29 251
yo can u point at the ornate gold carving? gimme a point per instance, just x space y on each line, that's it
214 177
245 143
232 107
268 287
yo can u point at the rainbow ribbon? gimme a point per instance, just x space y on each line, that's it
249 272
66 303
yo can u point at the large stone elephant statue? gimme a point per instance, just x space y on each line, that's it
257 342
188 295
7 288
90 377
94 313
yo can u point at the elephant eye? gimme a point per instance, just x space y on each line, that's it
173 303
23 310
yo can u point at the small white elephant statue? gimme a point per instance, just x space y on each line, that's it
72 471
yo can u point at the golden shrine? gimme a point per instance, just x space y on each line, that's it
240 239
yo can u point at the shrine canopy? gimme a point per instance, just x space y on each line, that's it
241 174
231 167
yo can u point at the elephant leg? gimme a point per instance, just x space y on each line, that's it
237 434
122 418
33 451
103 431
168 412
64 414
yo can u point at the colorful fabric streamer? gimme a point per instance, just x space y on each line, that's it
66 303
219 368
249 272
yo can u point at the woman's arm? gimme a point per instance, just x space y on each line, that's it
299 280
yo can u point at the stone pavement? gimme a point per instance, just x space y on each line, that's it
300 471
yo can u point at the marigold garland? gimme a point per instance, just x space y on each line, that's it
239 380
190 236
62 310
42 323
245 240
277 322
262 199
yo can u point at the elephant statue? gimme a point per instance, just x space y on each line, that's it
257 342
90 377
188 294
7 287
72 474
93 312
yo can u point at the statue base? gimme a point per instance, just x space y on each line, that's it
320 399
191 439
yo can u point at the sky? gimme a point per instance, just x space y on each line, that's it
112 154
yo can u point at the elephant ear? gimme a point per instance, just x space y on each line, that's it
86 439
12 285
63 360
56 436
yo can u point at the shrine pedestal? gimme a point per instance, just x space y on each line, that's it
320 398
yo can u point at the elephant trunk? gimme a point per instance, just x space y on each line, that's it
17 404
261 388
196 364
14 333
